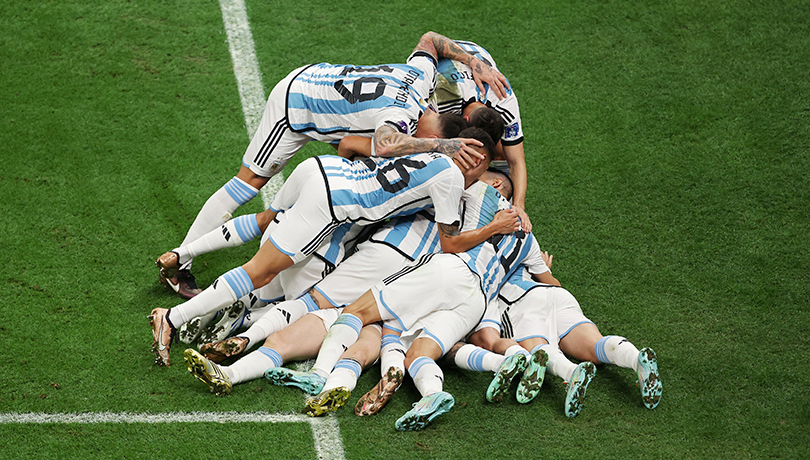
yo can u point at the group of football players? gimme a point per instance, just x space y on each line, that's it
409 245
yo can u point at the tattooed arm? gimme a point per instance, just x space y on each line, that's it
454 241
388 142
442 47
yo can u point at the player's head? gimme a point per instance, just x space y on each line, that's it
499 181
444 126
486 118
488 150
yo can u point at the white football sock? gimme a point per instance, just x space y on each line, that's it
345 374
427 375
219 208
557 364
343 333
392 354
617 350
277 318
253 365
224 291
473 358
232 233
515 349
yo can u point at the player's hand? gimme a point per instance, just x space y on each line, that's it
484 74
466 155
524 219
506 221
547 258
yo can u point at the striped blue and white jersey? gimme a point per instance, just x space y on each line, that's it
496 259
455 89
373 189
327 102
479 203
339 244
517 286
412 236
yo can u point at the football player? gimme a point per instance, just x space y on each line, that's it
325 102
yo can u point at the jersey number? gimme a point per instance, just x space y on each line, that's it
356 94
399 165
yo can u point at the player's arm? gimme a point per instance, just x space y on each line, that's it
354 145
442 47
546 278
454 241
388 142
517 172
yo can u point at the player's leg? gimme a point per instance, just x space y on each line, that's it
427 377
343 378
227 289
585 339
507 361
441 329
345 331
392 369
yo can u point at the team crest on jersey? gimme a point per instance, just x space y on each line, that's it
275 166
511 130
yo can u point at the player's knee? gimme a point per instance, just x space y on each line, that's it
485 338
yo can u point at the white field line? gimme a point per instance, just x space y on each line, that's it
326 431
323 428
248 77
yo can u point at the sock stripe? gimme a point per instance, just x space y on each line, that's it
272 354
419 363
239 282
350 364
348 319
390 339
476 359
247 227
240 191
599 350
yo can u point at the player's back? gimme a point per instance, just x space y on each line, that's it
497 258
374 189
328 101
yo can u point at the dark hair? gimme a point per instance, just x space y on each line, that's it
508 188
490 121
480 135
451 124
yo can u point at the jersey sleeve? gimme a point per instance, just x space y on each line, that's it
446 196
534 262
510 112
427 64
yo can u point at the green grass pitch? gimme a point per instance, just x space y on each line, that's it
667 147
